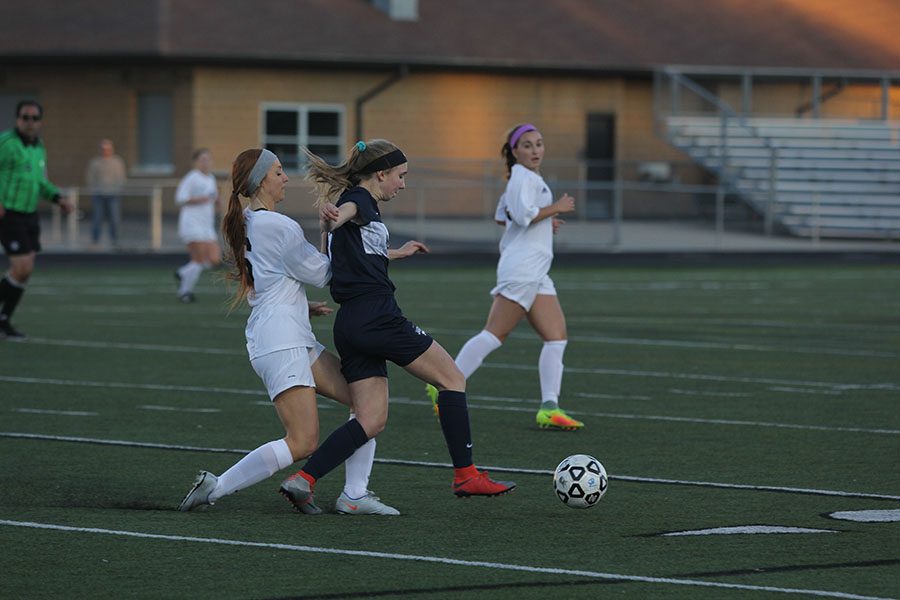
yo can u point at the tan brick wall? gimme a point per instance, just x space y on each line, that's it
441 120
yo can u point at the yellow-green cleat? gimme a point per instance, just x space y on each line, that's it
557 419
432 393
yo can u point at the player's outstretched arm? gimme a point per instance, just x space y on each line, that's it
408 249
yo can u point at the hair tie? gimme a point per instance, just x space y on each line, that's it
361 146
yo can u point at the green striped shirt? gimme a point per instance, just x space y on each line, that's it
23 174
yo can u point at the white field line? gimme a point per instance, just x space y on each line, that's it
178 409
438 560
599 339
581 339
889 386
401 400
681 392
132 346
67 413
132 386
755 323
705 280
885 386
499 469
612 396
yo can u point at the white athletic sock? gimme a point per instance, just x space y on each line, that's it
358 468
259 464
475 350
13 282
550 369
190 273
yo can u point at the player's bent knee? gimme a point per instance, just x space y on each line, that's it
301 448
372 425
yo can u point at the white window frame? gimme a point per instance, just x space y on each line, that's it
302 110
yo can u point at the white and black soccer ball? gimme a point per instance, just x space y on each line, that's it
580 481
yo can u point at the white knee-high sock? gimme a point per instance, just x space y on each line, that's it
358 468
550 369
190 273
259 464
475 350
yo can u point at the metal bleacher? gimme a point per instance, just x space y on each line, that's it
812 177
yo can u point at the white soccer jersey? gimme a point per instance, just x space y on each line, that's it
196 223
526 250
282 261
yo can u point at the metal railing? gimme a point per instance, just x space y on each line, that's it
671 85
749 78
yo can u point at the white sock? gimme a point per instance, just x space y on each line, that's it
475 350
358 468
12 281
259 464
190 273
550 369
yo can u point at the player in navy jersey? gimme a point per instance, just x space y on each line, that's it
370 329
524 288
272 262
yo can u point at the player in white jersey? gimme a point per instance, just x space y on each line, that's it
198 196
524 288
272 263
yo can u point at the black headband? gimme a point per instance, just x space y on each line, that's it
384 162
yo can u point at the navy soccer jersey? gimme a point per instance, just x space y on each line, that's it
359 250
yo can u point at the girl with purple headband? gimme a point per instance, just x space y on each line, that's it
524 288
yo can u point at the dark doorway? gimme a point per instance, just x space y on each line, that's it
600 156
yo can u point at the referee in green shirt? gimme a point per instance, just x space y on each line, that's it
23 182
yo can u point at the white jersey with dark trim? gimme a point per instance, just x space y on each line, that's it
526 249
281 262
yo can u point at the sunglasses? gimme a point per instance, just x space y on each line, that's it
30 117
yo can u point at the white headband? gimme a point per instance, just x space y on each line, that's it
263 164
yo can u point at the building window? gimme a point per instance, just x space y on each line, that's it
155 133
288 127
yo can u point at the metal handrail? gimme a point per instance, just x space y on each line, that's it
725 112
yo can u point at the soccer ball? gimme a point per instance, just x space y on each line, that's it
580 481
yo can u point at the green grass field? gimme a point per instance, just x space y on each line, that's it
716 397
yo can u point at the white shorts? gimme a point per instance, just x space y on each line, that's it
193 232
284 369
524 293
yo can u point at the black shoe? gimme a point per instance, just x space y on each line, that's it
8 332
187 298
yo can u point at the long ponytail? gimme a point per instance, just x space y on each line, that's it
234 228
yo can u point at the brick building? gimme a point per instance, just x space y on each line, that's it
442 79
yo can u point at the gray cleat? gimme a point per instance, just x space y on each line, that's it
298 492
199 494
369 504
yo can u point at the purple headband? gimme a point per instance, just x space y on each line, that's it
514 138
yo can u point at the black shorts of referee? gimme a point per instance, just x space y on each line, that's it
371 330
20 232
